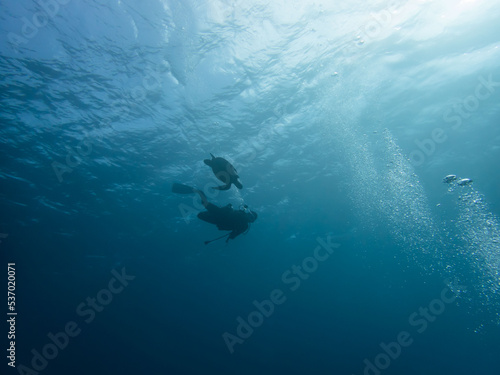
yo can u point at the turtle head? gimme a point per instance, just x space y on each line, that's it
208 161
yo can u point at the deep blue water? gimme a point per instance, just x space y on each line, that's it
342 119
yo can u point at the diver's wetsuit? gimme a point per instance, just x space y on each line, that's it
225 217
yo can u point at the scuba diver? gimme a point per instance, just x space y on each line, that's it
225 218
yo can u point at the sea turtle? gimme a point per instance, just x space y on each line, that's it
224 171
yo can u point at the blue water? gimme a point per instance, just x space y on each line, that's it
342 119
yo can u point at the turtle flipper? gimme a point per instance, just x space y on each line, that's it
223 187
209 161
238 184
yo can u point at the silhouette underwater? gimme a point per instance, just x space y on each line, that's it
225 218
224 171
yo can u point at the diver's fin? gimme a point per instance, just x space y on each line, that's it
238 184
182 189
223 187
